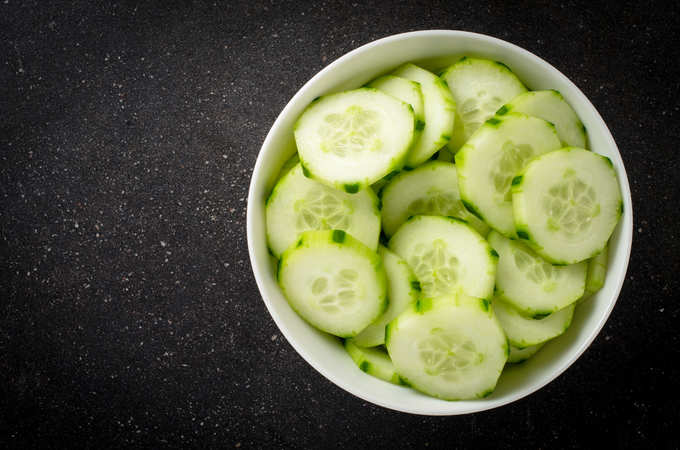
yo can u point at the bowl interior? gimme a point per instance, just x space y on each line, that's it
431 49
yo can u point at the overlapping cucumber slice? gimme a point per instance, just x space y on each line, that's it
351 139
566 204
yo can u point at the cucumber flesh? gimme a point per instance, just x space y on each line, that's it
333 281
518 355
551 106
450 347
298 204
446 255
289 164
597 271
479 87
351 139
402 290
373 361
439 113
566 204
531 284
490 159
407 91
524 332
430 189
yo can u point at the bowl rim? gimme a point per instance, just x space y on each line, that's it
626 224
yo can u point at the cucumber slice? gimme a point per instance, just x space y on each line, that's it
450 347
446 255
566 204
490 159
430 189
479 87
298 204
518 355
402 290
597 271
531 284
439 113
551 106
289 164
524 332
373 361
333 281
407 91
351 139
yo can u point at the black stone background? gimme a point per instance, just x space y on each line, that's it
129 315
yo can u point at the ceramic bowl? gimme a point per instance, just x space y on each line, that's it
431 49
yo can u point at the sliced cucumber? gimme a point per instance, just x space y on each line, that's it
333 281
518 355
439 113
524 332
566 204
446 255
402 290
490 159
479 87
450 347
551 106
289 164
407 91
597 271
531 284
354 138
430 189
298 204
373 361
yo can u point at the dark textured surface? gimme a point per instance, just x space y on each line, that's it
129 314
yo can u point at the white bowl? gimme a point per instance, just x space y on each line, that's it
432 49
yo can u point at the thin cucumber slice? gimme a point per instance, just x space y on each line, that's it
518 355
566 204
289 164
354 138
298 204
446 255
524 332
490 159
551 106
450 347
402 290
407 91
430 189
531 284
439 113
597 271
479 87
373 361
334 282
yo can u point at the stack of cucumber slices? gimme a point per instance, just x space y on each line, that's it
442 226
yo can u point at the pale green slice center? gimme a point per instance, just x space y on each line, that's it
435 268
321 209
571 205
336 293
475 110
445 354
356 130
536 270
437 203
510 161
